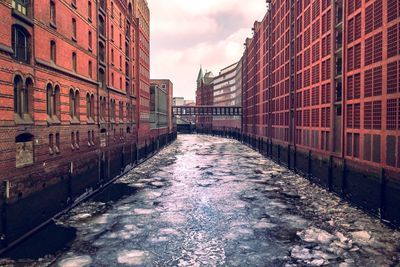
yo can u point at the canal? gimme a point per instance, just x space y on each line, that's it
208 201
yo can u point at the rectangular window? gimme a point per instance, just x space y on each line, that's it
74 29
53 12
74 63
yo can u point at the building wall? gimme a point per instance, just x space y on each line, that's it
143 67
227 91
69 126
168 86
327 80
329 95
204 97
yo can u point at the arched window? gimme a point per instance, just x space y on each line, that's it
102 26
22 97
127 68
130 10
49 98
77 103
102 52
53 51
112 56
74 104
20 44
112 9
92 106
102 78
88 106
24 150
112 78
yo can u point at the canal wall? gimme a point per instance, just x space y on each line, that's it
68 185
375 190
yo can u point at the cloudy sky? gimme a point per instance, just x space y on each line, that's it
186 34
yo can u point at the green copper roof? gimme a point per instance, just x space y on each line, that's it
200 76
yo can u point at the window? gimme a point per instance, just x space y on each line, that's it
74 104
120 83
74 29
121 112
112 9
73 3
53 100
53 12
120 41
112 33
20 44
120 62
120 19
90 11
57 147
90 40
51 144
74 61
21 6
102 78
77 140
90 69
53 51
102 29
112 56
24 150
21 96
112 79
102 52
89 106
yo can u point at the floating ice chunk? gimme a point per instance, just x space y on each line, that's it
264 224
77 261
315 235
341 237
169 231
301 253
143 211
132 257
361 237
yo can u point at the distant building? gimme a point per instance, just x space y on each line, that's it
178 101
161 91
227 91
204 97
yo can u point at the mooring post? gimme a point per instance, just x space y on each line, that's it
309 169
344 177
330 173
382 194
4 209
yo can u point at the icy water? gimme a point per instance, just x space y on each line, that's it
207 201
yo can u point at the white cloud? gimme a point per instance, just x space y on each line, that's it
186 34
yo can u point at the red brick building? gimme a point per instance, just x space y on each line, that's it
74 99
321 84
204 97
